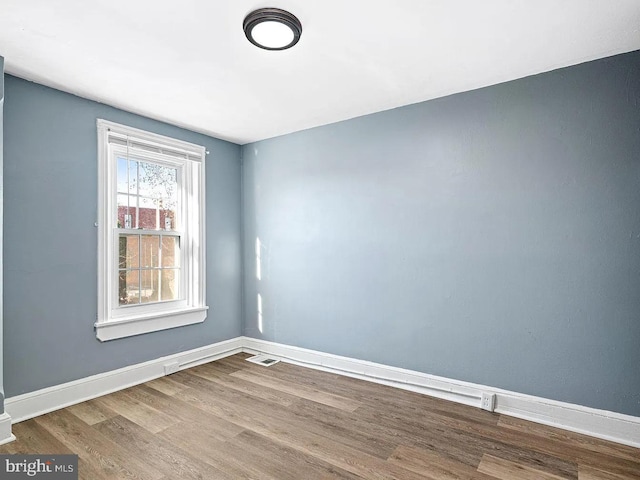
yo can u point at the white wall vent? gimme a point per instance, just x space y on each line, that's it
264 360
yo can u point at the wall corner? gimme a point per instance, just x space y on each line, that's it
5 420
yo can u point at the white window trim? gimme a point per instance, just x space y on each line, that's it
115 322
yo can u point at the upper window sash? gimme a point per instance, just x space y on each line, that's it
117 153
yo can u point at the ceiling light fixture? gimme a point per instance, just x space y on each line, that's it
272 29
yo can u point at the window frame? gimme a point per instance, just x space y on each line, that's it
116 321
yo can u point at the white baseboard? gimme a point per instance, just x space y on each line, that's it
612 426
32 404
616 427
5 429
459 392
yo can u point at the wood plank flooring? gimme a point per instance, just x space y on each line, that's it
232 419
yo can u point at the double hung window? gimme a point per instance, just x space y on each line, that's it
150 232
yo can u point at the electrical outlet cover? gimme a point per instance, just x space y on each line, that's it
170 368
488 401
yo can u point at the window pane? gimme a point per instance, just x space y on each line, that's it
126 211
123 178
128 251
127 177
170 251
128 287
149 290
150 251
157 181
133 177
170 286
149 213
159 185
127 193
168 214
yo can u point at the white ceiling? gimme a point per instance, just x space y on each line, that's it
188 63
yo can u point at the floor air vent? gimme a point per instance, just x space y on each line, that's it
263 360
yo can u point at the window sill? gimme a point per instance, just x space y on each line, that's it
138 325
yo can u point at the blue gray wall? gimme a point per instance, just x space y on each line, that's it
50 258
491 236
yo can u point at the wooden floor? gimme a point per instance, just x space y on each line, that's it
232 419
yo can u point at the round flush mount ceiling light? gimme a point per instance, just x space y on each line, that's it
272 29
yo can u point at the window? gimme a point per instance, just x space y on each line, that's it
150 232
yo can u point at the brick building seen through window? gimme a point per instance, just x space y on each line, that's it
148 263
